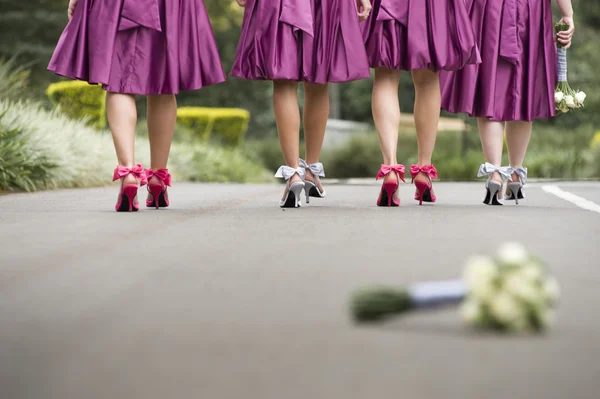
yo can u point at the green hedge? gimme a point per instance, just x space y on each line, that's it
80 100
42 149
227 125
553 153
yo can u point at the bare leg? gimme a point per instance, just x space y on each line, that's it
386 114
316 113
162 115
491 134
517 139
287 116
427 115
121 112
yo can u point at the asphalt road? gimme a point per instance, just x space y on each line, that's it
227 296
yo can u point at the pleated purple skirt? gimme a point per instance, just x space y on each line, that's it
420 34
140 46
517 78
315 41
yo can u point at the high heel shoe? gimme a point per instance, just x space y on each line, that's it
514 190
424 191
125 203
492 187
311 188
158 191
292 190
389 188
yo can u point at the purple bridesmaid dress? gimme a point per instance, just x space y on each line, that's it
140 46
315 41
420 34
517 78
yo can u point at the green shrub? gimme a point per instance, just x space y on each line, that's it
13 79
210 163
227 125
45 149
22 166
266 152
457 156
80 100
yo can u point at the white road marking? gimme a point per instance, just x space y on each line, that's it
572 198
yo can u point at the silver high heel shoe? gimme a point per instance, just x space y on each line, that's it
311 189
493 187
514 190
293 190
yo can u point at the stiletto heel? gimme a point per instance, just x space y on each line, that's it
493 187
424 192
293 190
389 188
311 189
515 188
158 191
126 203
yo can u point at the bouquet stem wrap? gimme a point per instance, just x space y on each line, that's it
562 64
437 293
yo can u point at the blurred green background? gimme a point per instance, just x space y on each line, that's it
563 147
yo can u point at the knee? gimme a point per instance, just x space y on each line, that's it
425 77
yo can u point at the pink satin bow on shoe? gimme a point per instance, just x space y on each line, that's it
137 171
385 170
424 191
161 174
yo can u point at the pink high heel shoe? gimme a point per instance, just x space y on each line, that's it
424 191
386 196
128 192
158 191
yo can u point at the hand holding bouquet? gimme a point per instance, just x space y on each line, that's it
565 98
510 292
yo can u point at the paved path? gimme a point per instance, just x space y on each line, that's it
227 296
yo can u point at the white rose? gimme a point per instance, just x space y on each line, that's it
580 97
522 288
513 253
505 308
559 96
563 108
547 318
480 268
570 101
471 311
480 273
531 272
551 289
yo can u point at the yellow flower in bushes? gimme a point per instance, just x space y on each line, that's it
595 143
229 125
80 100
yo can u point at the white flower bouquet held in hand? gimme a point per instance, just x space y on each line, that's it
565 98
510 292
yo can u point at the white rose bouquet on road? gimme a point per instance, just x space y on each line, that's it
509 292
565 98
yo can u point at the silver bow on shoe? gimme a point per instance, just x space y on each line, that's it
493 187
312 188
292 191
515 188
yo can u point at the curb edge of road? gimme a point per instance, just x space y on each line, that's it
372 182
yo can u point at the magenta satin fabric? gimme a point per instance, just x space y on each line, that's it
420 34
517 77
140 46
316 41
